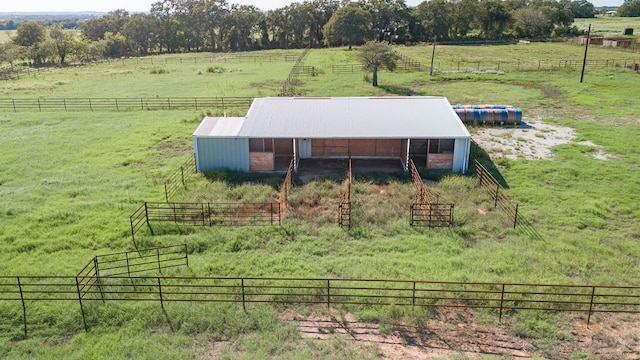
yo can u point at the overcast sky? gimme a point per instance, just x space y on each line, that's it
145 5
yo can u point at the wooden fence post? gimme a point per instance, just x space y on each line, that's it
515 217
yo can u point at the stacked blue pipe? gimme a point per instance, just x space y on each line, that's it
489 114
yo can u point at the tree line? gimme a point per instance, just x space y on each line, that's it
173 26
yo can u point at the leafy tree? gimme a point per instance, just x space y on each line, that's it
349 24
532 23
375 55
31 35
389 17
463 17
630 8
493 18
241 26
580 8
140 31
63 41
435 18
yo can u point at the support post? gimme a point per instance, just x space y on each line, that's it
84 319
160 293
515 218
328 294
586 48
24 308
433 54
501 303
244 307
593 292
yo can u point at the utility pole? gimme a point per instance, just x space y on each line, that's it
586 47
433 54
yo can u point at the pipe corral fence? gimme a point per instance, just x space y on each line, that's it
108 278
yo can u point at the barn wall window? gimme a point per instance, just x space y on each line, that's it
261 145
441 146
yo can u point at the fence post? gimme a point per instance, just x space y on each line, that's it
84 320
166 192
243 302
593 292
328 294
413 297
186 255
90 106
14 105
501 303
117 108
158 257
182 174
160 292
515 218
495 205
271 212
24 308
128 269
95 266
64 102
39 107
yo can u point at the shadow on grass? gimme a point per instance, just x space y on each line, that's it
479 154
399 90
236 178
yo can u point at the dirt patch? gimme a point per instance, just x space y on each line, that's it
453 334
447 336
532 141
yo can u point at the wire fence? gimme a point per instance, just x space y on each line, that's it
288 87
124 104
448 66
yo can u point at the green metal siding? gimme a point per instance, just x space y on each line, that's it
214 153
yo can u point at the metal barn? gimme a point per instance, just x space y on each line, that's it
278 129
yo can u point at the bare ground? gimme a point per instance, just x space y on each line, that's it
455 334
532 141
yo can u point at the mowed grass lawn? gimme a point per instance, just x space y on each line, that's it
70 180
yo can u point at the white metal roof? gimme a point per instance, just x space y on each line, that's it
219 127
346 117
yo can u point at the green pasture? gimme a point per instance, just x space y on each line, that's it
609 25
70 180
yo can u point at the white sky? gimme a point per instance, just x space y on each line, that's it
145 5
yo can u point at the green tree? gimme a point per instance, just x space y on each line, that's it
580 8
435 18
349 25
63 41
375 55
493 18
630 8
31 35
